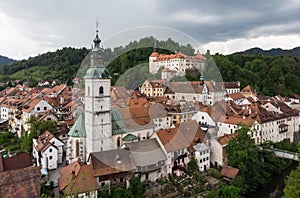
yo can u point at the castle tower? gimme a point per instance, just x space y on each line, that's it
97 103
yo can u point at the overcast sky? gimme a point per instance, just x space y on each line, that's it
30 27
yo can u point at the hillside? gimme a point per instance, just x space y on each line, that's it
270 72
273 52
5 60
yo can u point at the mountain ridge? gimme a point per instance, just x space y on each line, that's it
272 52
5 60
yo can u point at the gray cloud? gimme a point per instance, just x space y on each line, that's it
53 23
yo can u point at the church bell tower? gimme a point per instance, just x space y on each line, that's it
97 103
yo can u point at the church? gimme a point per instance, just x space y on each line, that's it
92 131
103 125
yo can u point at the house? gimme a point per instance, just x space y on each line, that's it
181 112
184 91
212 92
149 159
159 116
204 120
48 151
22 182
218 149
153 87
176 142
112 168
232 87
248 91
77 180
202 155
238 98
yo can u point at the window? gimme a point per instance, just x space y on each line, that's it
77 148
45 108
50 150
101 90
50 157
38 108
88 92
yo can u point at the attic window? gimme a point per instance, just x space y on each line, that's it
118 161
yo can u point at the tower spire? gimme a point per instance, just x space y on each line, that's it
97 40
202 79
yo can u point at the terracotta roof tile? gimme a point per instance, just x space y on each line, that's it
77 178
182 136
229 172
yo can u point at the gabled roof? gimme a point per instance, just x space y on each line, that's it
77 178
78 129
224 140
236 96
248 89
29 106
184 87
112 162
232 85
213 86
229 172
184 134
146 152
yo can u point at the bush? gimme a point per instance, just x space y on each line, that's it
215 173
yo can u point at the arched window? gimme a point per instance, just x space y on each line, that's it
88 93
119 142
77 148
101 90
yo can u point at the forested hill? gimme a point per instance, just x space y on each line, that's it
269 74
5 60
273 52
63 64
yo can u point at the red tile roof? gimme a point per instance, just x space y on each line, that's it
182 136
77 178
229 172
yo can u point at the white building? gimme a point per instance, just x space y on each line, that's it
202 155
48 151
178 62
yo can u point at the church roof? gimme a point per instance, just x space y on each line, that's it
97 72
78 129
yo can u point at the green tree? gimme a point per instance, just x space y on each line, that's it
36 127
292 183
244 155
137 188
193 165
